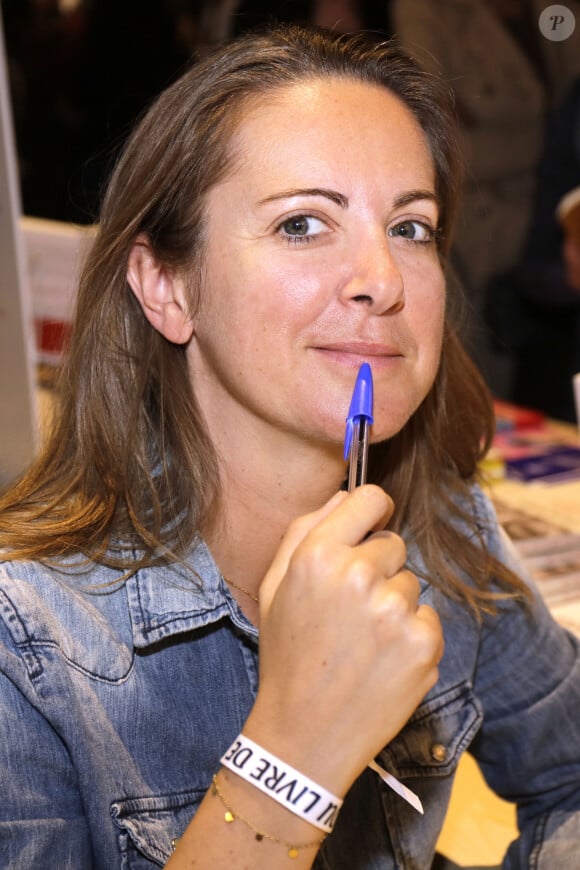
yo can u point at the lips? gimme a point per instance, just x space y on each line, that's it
351 354
364 349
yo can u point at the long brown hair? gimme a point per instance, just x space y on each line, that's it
129 466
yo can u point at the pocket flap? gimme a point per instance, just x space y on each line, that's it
435 737
152 824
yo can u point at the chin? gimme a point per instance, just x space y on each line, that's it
390 423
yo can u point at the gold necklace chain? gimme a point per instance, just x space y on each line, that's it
241 589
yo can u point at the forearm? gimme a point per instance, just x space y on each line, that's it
264 806
212 842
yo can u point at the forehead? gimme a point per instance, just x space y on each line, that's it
332 118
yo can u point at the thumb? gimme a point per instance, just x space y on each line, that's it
294 536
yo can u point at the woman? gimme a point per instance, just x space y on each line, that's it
280 215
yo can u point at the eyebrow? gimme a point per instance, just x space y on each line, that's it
339 198
413 195
342 200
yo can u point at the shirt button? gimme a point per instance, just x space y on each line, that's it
438 752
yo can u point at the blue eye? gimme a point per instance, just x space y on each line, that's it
296 226
300 228
414 231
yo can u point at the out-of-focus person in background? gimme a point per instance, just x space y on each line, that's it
506 76
534 308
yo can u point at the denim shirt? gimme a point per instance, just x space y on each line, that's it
116 704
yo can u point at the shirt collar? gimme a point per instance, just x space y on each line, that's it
168 600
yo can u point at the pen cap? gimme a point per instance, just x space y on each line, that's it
361 404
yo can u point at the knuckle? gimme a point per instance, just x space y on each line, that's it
389 553
400 552
395 606
411 584
309 555
428 642
360 574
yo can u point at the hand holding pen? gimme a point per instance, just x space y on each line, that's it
347 652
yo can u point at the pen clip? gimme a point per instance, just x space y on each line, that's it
361 404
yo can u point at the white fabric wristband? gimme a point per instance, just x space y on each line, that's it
283 783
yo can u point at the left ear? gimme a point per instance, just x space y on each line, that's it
160 292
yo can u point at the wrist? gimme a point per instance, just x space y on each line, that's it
291 826
315 754
282 782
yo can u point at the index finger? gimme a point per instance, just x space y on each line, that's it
366 509
346 518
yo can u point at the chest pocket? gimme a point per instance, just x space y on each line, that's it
147 827
434 739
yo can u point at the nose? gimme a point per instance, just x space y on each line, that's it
374 278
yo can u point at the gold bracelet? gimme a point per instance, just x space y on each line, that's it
230 816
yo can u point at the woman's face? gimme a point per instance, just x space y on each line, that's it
320 255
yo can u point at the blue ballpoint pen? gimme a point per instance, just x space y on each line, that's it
358 423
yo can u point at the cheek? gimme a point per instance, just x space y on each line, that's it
276 303
435 319
294 286
259 309
427 313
